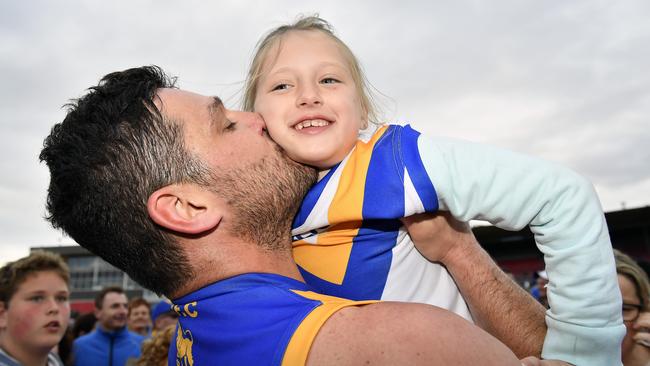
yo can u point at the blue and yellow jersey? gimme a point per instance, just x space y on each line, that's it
348 240
250 319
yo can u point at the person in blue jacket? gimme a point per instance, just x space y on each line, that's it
111 343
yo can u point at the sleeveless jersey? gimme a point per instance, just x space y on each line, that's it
250 319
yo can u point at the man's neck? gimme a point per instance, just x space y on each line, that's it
231 259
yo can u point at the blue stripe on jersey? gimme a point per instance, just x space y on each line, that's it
408 147
311 198
385 179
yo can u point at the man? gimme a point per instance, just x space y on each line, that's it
138 319
207 199
111 342
163 316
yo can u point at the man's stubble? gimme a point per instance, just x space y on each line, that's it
265 197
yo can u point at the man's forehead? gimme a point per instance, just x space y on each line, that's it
115 297
178 101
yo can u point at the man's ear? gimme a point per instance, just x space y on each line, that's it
184 208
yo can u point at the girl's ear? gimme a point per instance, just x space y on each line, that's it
184 208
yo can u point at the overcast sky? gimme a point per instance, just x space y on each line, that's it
567 81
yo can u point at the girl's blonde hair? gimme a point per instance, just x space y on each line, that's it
626 266
308 23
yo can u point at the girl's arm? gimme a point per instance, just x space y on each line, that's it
511 191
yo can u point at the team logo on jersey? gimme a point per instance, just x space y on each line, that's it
184 342
187 310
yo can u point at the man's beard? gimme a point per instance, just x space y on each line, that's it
265 197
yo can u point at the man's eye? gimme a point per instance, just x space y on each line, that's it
280 87
231 126
37 298
330 81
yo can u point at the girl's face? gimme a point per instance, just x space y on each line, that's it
630 297
308 99
37 314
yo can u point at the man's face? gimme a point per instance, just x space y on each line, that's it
139 318
113 314
263 187
220 137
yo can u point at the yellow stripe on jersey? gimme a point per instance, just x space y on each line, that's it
302 339
328 258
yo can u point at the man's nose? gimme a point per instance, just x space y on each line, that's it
251 120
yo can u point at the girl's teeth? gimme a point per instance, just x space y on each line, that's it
311 123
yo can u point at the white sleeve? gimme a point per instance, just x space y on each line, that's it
563 211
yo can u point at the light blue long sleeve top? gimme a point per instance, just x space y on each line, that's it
512 191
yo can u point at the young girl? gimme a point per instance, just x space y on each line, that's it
34 309
348 241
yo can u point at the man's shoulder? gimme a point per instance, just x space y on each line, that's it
406 333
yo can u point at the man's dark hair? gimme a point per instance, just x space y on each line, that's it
99 299
110 153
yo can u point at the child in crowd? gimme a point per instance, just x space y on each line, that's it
348 240
34 309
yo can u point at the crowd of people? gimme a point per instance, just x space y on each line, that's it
37 328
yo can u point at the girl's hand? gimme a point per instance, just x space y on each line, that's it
435 236
642 328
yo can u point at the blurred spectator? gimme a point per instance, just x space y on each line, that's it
163 315
111 342
635 290
156 348
539 289
34 309
139 316
83 324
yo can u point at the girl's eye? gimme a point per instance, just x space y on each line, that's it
280 87
330 81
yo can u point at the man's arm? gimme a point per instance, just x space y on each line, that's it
390 333
496 302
